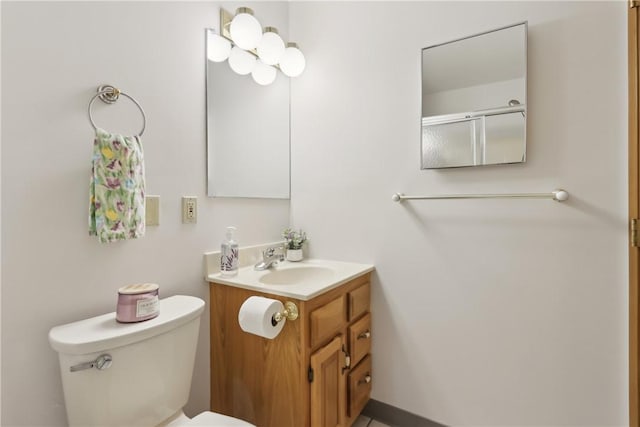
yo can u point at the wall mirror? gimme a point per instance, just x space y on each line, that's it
474 105
247 134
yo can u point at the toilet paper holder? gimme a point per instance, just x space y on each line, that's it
290 312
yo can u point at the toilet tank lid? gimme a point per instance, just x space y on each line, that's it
104 332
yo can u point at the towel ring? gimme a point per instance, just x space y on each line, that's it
109 94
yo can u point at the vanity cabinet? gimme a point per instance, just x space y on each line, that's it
315 373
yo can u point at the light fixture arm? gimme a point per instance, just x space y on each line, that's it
225 23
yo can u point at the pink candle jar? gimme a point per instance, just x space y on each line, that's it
137 302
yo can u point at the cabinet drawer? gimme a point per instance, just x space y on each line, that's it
327 320
359 301
360 339
359 386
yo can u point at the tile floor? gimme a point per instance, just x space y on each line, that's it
363 421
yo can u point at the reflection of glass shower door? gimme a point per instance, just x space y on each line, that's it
482 140
453 144
504 138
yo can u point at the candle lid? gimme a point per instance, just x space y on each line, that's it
138 288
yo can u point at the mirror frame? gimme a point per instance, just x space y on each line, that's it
471 114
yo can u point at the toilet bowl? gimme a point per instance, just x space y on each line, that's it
207 419
133 374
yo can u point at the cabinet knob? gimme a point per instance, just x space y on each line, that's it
347 360
365 380
364 335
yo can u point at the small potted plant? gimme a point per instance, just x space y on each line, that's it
294 240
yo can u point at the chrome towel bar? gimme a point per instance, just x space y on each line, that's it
558 195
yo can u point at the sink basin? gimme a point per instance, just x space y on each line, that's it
296 275
301 280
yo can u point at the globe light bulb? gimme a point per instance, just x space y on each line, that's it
263 74
245 29
271 47
241 61
292 62
218 48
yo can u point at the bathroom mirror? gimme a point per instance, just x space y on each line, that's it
247 134
474 104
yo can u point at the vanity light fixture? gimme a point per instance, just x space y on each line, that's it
252 51
263 74
218 48
271 47
292 63
245 30
241 61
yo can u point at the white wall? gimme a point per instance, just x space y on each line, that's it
486 312
54 55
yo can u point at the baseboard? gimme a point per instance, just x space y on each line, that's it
396 417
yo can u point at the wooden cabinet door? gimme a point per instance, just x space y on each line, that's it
360 339
359 387
328 386
327 320
359 301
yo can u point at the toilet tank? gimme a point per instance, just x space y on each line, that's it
150 374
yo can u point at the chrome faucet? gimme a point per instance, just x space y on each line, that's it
270 256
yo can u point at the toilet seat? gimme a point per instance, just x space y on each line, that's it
211 419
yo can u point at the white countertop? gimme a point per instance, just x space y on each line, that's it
301 280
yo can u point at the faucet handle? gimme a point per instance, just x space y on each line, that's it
268 252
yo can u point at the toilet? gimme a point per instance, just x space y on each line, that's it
133 374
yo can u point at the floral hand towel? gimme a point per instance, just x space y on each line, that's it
116 192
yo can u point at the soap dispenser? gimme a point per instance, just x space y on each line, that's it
229 254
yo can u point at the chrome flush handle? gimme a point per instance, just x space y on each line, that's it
103 362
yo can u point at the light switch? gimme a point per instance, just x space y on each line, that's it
152 210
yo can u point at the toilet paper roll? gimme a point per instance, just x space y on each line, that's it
255 316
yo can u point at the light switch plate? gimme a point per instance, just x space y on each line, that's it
152 210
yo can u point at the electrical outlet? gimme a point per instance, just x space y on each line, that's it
189 209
